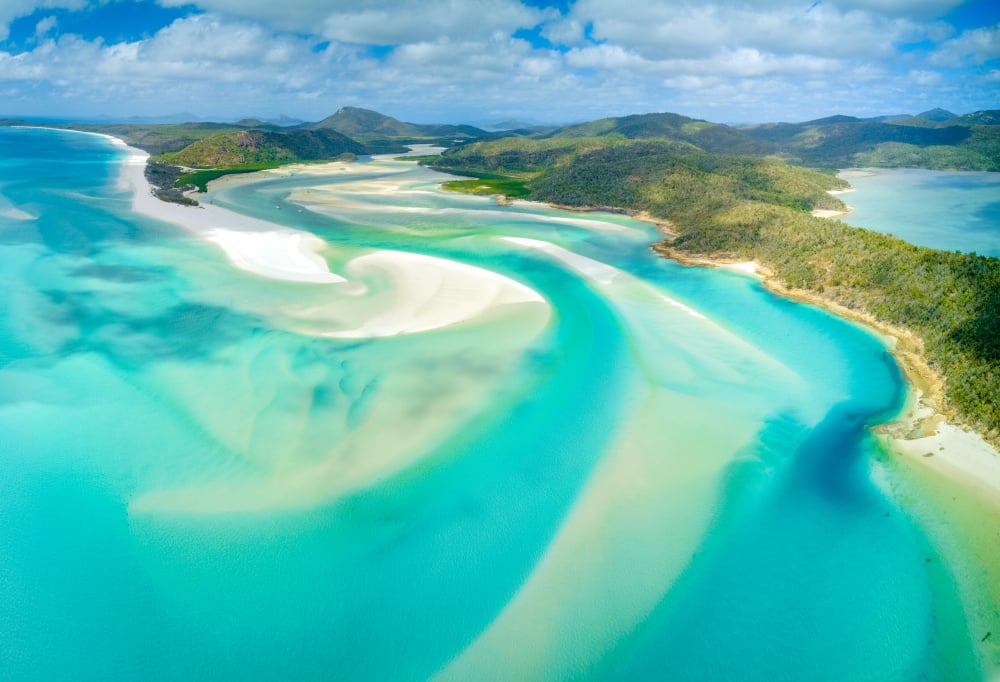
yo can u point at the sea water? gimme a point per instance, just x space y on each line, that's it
668 474
947 210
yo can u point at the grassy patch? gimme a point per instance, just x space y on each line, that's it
201 178
515 189
424 158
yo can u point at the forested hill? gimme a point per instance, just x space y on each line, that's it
237 148
934 139
713 137
365 124
758 209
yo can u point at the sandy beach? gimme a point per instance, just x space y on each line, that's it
414 293
420 293
252 245
923 428
425 293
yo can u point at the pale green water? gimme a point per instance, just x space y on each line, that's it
947 210
662 473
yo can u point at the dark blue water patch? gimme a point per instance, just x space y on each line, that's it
824 580
124 274
178 331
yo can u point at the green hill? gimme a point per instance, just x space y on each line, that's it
158 138
937 114
356 122
712 137
931 140
755 208
255 123
367 124
989 117
271 147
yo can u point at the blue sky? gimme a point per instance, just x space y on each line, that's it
490 60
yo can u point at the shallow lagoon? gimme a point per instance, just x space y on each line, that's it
947 210
666 473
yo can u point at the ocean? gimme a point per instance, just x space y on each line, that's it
639 471
946 210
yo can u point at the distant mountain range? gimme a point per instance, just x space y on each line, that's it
268 146
932 139
365 123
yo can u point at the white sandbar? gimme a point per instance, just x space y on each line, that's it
957 453
416 293
252 245
429 293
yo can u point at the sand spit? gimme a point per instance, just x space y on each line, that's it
925 431
252 245
427 293
415 293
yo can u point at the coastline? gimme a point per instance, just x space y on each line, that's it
925 424
427 293
664 226
924 421
833 212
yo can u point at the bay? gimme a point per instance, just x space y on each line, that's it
946 210
648 471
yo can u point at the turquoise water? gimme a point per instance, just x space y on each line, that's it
946 210
659 472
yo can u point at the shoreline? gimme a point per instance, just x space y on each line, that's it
924 418
925 430
251 245
664 226
426 290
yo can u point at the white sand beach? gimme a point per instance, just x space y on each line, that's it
425 292
415 293
746 268
252 245
830 213
957 454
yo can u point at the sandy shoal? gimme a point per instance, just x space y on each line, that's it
417 293
426 292
958 454
252 245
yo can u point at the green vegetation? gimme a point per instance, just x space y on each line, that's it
712 137
263 147
159 138
969 142
758 208
513 189
163 178
200 179
388 133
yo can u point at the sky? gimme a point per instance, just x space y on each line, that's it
484 61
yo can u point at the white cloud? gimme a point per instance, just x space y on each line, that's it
659 30
15 9
201 62
975 47
924 78
383 22
44 26
454 60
